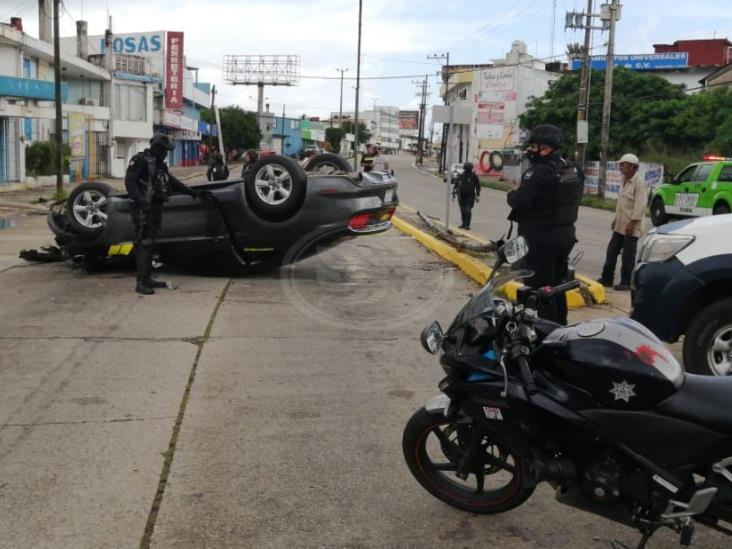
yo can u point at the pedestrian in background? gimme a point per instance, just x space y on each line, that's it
250 158
467 190
627 224
379 164
367 159
545 205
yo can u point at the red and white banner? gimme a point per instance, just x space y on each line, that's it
174 71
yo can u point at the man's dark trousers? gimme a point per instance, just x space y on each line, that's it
548 258
148 221
628 246
466 202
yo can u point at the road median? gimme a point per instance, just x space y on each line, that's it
590 293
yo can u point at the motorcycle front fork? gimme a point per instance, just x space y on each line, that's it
470 462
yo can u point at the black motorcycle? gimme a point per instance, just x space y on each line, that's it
600 410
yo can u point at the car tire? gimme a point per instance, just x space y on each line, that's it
275 187
87 207
721 208
708 341
327 163
658 212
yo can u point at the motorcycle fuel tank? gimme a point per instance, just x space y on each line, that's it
618 361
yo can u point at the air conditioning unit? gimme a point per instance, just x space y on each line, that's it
88 102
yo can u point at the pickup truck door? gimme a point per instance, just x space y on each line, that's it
678 200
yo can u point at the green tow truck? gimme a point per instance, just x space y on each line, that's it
700 189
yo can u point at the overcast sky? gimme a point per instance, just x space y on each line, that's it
397 37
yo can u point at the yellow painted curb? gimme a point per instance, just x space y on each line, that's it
479 271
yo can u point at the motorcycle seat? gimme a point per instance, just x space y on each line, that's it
703 400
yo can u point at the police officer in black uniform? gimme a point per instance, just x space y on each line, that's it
149 184
545 206
468 193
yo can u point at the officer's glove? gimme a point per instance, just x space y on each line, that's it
477 199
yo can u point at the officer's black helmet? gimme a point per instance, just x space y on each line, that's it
161 140
468 167
547 134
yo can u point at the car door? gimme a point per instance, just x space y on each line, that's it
676 201
699 192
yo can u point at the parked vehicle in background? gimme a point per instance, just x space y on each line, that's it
682 286
703 188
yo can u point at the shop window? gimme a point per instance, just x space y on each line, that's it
130 103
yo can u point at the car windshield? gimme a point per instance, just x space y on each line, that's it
482 302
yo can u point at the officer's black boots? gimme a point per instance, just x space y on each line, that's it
143 287
143 257
156 283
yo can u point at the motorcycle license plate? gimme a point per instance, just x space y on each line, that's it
389 196
686 202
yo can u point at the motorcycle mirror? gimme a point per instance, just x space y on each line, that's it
432 337
514 250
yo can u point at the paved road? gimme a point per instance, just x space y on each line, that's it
427 193
263 411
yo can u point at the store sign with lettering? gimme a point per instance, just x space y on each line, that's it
174 71
136 44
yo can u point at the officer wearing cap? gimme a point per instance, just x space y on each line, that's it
149 185
627 224
545 205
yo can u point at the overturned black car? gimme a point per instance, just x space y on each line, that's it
276 216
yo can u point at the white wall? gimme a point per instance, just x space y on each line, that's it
9 61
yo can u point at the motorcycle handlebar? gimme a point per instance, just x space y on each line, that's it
551 291
526 375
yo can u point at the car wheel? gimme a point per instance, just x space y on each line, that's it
87 207
708 342
721 209
326 164
658 212
275 187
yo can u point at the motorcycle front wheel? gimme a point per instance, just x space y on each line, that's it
433 446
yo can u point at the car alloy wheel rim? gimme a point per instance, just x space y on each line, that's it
273 184
90 209
719 355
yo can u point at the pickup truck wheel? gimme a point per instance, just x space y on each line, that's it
87 207
658 212
275 187
721 208
326 164
708 342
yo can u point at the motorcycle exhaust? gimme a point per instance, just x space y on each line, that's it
540 466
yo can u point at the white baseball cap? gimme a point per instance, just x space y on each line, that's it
630 158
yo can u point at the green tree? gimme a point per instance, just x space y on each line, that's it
363 133
643 108
238 127
333 137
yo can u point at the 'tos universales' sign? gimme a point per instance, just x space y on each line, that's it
174 71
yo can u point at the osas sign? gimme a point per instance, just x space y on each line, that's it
138 43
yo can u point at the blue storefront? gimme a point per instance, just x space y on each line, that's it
291 135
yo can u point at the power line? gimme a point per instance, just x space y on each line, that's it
391 59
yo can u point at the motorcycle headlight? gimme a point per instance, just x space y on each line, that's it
657 247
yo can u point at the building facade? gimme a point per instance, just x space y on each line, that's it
497 94
27 112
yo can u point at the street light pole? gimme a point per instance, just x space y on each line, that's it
358 82
340 108
607 100
57 90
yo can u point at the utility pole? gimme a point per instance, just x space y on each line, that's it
574 20
340 109
358 83
445 79
614 15
58 99
213 104
282 147
420 123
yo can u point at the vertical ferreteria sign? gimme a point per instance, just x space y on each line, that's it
174 71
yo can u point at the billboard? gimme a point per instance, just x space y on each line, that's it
174 67
408 120
651 61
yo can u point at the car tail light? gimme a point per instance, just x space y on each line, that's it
360 221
